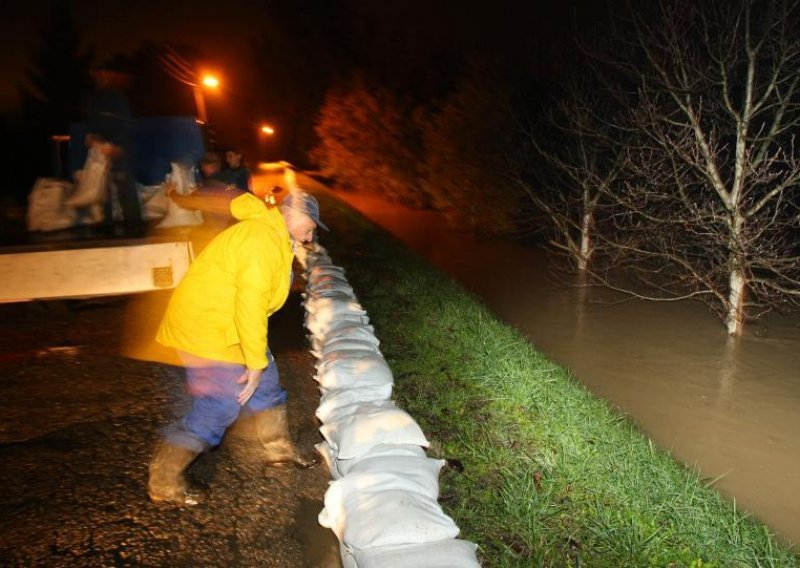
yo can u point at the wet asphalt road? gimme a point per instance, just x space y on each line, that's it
78 423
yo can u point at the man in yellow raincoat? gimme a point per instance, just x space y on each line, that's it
217 322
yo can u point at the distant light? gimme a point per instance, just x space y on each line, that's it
268 130
211 81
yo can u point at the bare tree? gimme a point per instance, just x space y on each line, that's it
581 162
710 202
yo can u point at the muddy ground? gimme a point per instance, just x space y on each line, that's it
78 423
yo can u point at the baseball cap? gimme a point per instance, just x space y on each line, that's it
304 203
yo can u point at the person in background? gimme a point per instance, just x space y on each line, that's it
217 320
110 125
234 172
212 197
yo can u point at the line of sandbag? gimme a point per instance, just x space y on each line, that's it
383 501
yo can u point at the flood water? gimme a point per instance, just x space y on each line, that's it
730 407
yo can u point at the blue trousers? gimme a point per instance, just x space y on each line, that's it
214 406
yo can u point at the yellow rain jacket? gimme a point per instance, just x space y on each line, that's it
219 310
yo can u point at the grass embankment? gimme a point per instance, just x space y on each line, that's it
551 475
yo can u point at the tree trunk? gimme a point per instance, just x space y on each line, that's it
586 242
736 292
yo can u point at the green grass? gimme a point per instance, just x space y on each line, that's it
551 475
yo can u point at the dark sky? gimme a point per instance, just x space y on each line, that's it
120 26
225 30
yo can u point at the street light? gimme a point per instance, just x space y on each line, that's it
207 81
177 66
265 130
211 81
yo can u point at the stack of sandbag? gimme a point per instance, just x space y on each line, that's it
383 501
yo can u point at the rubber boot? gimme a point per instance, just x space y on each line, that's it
167 480
272 429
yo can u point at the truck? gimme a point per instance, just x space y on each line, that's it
79 261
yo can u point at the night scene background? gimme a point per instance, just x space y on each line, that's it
619 181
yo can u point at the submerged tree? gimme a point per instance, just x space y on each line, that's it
710 204
576 161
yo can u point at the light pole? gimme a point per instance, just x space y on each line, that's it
199 99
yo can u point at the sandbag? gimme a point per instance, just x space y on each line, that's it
319 326
46 210
357 428
92 181
346 331
154 201
449 553
333 306
353 369
319 271
345 344
183 178
367 519
420 475
333 401
343 467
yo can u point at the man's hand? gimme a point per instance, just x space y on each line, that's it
251 379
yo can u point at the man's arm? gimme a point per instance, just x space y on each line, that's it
211 201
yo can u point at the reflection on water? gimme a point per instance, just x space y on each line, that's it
730 407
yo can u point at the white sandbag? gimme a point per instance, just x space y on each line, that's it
346 331
335 292
347 358
328 456
328 283
46 209
154 201
92 181
319 271
182 176
341 294
420 475
333 401
327 288
322 325
353 369
177 216
368 519
315 259
332 307
321 275
343 467
449 553
345 344
356 429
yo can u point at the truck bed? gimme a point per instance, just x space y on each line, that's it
83 262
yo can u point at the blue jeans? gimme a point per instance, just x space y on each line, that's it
214 407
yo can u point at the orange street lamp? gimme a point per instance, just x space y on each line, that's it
268 130
211 81
206 81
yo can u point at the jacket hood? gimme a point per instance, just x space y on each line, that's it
248 206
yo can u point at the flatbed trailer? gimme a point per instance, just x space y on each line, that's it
81 263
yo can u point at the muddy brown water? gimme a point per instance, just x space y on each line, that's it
730 408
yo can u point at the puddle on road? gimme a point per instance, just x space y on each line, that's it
729 406
320 545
